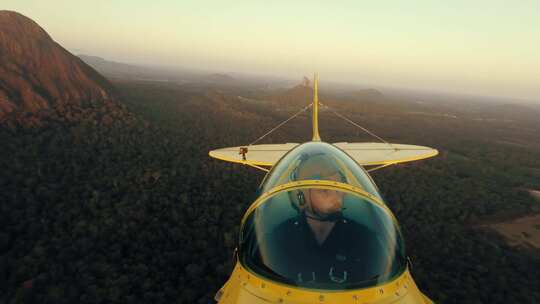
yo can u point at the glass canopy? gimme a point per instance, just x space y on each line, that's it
318 161
322 237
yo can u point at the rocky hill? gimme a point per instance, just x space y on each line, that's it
298 96
368 95
40 80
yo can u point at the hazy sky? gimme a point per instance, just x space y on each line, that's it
480 47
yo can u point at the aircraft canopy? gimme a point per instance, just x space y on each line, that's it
318 161
322 237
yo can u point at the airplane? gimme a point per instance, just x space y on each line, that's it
319 230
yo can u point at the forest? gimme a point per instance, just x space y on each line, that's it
136 212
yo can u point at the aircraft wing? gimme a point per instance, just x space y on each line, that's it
258 155
365 154
371 154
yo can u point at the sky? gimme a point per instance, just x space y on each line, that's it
480 47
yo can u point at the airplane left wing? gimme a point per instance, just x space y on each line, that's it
254 155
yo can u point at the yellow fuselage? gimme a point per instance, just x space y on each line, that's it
244 287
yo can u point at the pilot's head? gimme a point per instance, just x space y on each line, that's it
317 203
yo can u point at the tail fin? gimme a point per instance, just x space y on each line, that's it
316 136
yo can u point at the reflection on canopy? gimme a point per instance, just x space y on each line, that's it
321 237
318 161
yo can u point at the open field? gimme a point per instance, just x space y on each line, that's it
535 193
523 231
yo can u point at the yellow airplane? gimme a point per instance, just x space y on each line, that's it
319 231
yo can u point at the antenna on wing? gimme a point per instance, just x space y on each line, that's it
316 136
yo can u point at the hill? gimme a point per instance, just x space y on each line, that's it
114 69
296 97
40 79
368 95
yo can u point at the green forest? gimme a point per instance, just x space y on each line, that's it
136 211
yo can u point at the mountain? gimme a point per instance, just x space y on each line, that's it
39 78
113 69
119 71
219 78
298 96
368 95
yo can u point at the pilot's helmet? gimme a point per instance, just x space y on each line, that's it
318 167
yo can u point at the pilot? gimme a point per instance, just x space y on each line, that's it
320 245
320 207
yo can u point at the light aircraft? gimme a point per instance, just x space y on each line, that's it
319 231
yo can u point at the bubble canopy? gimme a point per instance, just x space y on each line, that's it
318 161
321 235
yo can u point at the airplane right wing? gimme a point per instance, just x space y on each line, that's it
373 154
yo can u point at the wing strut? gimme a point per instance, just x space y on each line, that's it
360 127
279 125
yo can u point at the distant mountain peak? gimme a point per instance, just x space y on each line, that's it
297 96
306 82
